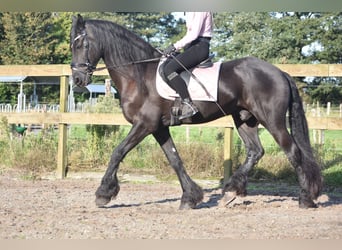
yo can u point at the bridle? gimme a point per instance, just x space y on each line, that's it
87 67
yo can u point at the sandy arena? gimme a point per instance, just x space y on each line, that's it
148 209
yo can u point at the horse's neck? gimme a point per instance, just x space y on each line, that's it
130 81
124 81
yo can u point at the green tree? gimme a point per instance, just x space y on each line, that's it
156 28
28 38
61 30
280 37
285 37
329 36
2 34
8 93
240 34
277 37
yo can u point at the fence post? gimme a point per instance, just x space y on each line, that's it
62 130
227 154
108 84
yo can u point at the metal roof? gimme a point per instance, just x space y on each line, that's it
94 88
12 78
39 80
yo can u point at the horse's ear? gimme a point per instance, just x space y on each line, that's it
78 22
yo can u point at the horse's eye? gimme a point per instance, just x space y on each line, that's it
77 45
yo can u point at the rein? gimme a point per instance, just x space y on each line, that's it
127 64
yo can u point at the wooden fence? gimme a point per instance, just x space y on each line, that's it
63 118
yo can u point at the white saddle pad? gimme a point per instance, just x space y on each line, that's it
207 76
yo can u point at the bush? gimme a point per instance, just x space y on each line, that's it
31 154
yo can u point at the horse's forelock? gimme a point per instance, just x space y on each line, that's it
77 27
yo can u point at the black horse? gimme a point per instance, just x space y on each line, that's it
251 90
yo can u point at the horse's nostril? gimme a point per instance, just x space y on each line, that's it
77 81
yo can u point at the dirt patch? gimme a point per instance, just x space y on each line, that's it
148 209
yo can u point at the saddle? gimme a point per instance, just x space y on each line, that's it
175 110
207 63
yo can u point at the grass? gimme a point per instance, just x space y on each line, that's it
201 149
33 154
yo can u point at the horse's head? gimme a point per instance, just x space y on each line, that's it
84 52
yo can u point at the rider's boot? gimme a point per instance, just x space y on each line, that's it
188 109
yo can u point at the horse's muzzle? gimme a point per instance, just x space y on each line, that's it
81 79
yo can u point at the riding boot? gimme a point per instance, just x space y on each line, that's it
188 109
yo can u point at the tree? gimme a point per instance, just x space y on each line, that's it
155 28
8 93
61 30
285 37
329 37
29 38
2 34
280 37
239 34
277 37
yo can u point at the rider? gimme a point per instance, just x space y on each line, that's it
196 49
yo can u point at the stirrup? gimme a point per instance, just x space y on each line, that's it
188 110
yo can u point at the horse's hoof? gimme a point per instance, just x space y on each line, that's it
228 198
101 201
305 201
307 204
186 206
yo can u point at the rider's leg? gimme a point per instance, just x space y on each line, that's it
177 83
191 57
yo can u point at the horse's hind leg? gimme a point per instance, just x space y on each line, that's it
294 154
248 131
192 193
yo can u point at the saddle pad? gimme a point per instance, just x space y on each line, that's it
207 76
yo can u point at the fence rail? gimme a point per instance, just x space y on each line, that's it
64 70
323 123
62 118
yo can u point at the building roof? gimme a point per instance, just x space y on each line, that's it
39 80
12 78
94 88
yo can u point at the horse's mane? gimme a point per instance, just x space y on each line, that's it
124 45
121 46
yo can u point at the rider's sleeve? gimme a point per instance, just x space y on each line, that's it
194 24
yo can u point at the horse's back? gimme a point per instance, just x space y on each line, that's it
254 74
254 85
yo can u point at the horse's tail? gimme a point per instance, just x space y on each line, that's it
300 134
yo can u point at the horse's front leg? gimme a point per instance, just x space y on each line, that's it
109 187
192 193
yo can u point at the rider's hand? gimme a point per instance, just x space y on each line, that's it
169 50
